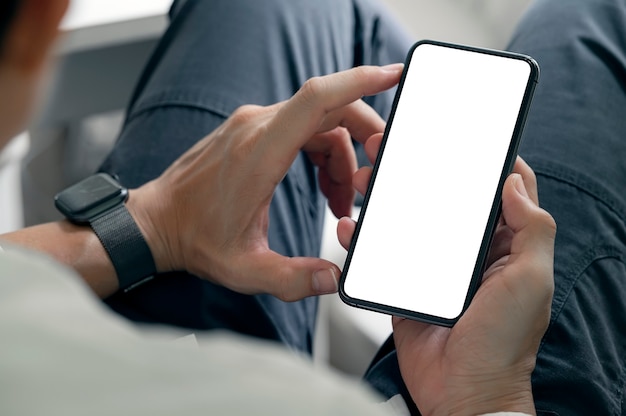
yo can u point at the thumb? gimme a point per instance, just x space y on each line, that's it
294 278
534 229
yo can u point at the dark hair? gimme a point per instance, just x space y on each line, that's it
7 13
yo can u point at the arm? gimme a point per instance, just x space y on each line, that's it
224 239
75 246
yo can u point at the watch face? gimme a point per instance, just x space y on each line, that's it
90 198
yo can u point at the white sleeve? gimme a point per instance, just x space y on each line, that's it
396 406
63 353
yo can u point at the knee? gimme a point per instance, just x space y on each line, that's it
557 20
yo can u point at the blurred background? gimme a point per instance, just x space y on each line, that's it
104 46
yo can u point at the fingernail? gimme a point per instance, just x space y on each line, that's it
398 67
519 185
324 281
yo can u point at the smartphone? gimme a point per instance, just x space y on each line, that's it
434 199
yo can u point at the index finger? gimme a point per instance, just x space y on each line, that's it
301 117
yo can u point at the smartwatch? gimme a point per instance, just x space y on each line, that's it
99 201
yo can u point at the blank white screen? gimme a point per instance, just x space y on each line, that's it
445 152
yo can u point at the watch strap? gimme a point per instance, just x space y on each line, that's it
119 234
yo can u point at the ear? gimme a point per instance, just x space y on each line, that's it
32 34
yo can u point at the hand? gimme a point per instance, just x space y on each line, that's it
208 213
484 363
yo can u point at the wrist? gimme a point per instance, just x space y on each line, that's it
479 398
100 202
147 212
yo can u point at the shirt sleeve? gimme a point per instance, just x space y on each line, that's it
64 353
396 406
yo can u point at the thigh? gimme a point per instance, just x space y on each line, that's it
575 140
220 54
216 56
575 129
581 362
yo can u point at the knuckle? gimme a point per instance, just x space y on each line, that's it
244 128
544 221
531 172
286 281
312 89
285 292
548 220
245 113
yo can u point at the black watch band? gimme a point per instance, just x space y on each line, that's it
128 250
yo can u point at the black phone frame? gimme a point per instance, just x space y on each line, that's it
496 208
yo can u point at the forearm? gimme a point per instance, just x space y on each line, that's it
75 246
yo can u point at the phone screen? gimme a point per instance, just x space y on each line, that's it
433 202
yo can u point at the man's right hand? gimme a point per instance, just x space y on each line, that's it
209 212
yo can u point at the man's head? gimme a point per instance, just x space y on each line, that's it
28 29
7 12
